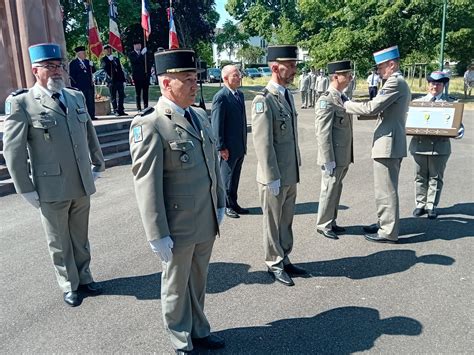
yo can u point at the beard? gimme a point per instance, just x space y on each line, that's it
55 84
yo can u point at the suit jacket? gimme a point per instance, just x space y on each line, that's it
81 74
229 122
322 83
333 130
176 175
392 106
137 62
113 68
275 137
431 145
305 81
60 147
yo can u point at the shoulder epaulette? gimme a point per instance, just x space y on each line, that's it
146 111
72 88
264 92
19 91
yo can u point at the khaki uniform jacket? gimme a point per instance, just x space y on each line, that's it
275 137
61 147
176 175
392 106
333 130
431 145
322 83
305 81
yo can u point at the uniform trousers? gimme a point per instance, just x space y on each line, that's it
66 224
311 98
230 172
429 170
372 92
304 98
90 101
278 212
183 289
141 85
386 172
331 189
117 88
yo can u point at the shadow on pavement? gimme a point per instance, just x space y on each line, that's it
343 330
377 264
225 276
300 208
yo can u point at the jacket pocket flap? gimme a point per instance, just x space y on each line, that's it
179 203
43 123
47 169
82 116
181 145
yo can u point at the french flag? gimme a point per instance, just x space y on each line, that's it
173 36
95 44
146 25
114 33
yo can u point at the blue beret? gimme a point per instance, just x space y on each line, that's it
438 76
386 54
44 51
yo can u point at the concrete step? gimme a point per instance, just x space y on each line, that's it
4 172
113 126
113 136
115 147
7 187
117 159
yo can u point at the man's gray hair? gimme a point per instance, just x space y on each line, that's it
227 69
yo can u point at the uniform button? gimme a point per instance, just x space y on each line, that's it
75 145
175 206
45 173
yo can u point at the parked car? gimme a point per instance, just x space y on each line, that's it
265 71
214 75
252 73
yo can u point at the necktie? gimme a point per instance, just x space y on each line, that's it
287 97
56 97
237 97
372 80
189 118
433 99
344 98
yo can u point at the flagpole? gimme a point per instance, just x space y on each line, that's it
144 46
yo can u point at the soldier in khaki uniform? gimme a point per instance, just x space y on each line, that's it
49 125
431 153
275 137
389 143
180 196
335 150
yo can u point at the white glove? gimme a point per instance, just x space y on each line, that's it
95 174
32 198
220 215
329 168
163 247
274 187
460 132
91 64
144 50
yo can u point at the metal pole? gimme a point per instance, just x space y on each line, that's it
441 54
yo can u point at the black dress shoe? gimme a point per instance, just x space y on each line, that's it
212 341
328 233
378 239
373 228
432 214
229 212
294 270
337 229
116 114
418 212
282 277
72 298
92 289
241 210
122 114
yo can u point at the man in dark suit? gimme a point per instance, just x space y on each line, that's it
115 80
80 72
140 73
229 123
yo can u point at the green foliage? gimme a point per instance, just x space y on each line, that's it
230 38
250 54
204 52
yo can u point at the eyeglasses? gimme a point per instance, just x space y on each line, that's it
52 66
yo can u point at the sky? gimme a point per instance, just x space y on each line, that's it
222 13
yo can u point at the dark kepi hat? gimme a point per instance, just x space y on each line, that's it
282 53
137 40
176 61
339 67
438 77
44 51
79 49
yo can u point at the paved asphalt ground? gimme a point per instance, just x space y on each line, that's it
414 297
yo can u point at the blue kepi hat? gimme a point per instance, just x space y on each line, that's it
438 76
386 54
44 51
